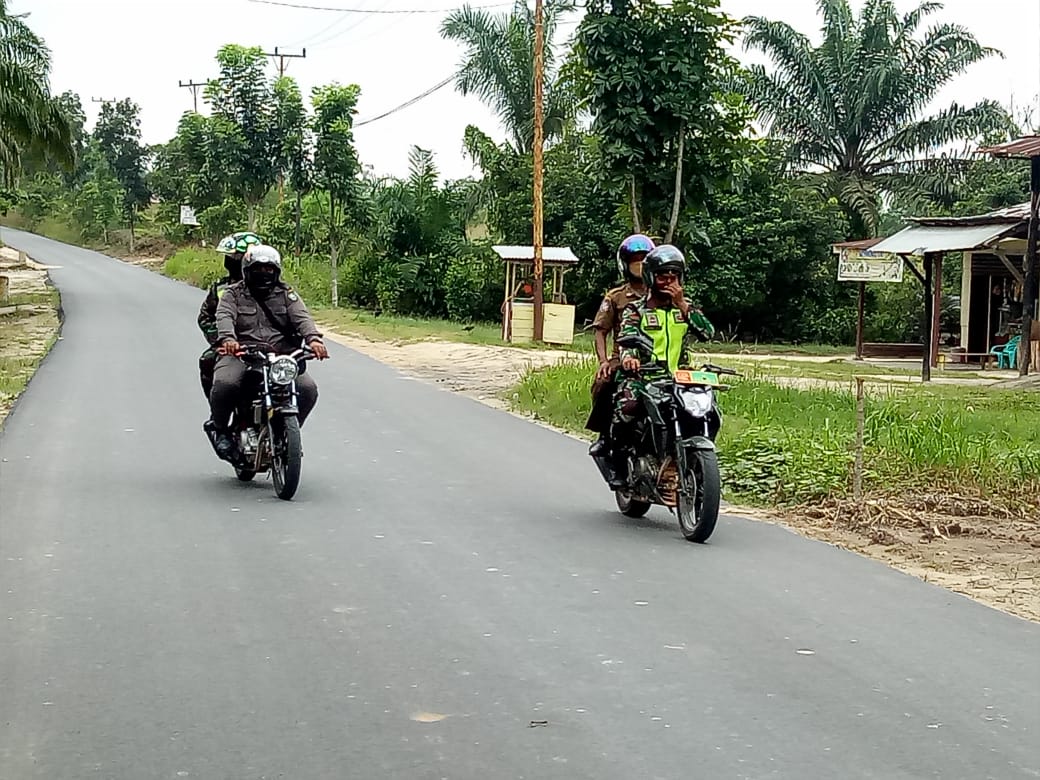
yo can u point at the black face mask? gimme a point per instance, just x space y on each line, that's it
261 284
233 265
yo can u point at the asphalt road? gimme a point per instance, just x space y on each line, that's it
450 595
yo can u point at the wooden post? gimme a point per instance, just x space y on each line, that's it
1030 270
857 469
859 319
926 339
936 310
538 141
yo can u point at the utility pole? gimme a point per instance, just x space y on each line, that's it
194 86
539 66
282 57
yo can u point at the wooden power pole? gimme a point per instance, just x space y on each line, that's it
194 87
539 66
282 57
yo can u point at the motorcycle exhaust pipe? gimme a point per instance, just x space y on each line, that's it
603 463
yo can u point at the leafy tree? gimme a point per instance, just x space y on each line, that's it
498 67
98 203
853 105
245 130
295 141
118 136
654 76
336 164
30 119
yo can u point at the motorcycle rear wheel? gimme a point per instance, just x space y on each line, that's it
630 507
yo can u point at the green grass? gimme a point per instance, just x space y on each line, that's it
20 352
784 445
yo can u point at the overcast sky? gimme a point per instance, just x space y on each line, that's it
140 49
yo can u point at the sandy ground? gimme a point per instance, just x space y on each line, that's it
26 330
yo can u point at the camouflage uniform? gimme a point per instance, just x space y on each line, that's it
240 317
672 335
208 325
608 319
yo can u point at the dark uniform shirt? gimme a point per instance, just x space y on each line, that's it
240 317
608 318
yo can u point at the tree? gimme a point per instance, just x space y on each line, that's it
29 117
498 67
853 105
654 77
336 164
242 103
98 202
118 136
295 162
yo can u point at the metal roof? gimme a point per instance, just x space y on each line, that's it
919 239
1006 216
551 255
863 243
1025 147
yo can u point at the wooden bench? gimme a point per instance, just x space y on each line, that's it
984 359
893 351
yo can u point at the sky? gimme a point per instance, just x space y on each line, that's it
111 49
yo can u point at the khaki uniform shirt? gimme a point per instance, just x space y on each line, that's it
608 318
239 317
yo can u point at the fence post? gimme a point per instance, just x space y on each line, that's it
857 469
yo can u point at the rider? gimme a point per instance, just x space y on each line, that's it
630 256
261 309
669 319
233 248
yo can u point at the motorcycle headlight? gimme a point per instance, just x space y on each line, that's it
697 403
283 370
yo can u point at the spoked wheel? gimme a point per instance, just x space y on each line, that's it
698 505
630 507
286 457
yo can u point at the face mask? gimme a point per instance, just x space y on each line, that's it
260 282
233 265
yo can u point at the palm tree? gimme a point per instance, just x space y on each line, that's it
851 108
30 118
498 67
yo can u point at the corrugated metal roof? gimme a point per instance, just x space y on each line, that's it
1026 147
550 254
918 239
864 243
1006 216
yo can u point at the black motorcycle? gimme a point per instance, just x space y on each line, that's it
671 456
265 425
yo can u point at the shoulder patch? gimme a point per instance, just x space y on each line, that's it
293 296
605 306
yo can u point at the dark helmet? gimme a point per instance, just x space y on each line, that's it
662 259
633 245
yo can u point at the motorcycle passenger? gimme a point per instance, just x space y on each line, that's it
630 255
261 309
669 319
233 248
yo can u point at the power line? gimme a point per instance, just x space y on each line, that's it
408 103
372 11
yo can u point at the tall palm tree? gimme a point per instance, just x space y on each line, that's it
29 116
851 108
498 67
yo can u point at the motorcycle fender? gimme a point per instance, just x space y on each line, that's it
284 411
699 443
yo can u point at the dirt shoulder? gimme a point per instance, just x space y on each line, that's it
29 325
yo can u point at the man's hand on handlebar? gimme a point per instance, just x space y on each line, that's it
630 364
229 347
318 348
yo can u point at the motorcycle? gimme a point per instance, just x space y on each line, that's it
671 456
265 424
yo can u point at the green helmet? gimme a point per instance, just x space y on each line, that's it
238 243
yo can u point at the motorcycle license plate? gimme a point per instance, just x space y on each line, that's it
685 377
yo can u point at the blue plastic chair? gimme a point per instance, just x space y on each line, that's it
1007 354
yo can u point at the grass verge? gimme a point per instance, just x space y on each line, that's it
26 336
787 446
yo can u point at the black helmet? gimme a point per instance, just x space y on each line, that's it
663 258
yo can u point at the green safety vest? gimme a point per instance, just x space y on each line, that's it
667 327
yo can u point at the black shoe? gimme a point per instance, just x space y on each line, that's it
599 447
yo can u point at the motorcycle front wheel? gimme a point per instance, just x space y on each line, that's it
698 512
286 456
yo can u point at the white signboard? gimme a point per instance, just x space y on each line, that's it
188 216
862 265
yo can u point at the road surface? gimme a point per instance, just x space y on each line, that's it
450 595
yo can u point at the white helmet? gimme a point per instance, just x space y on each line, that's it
262 254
